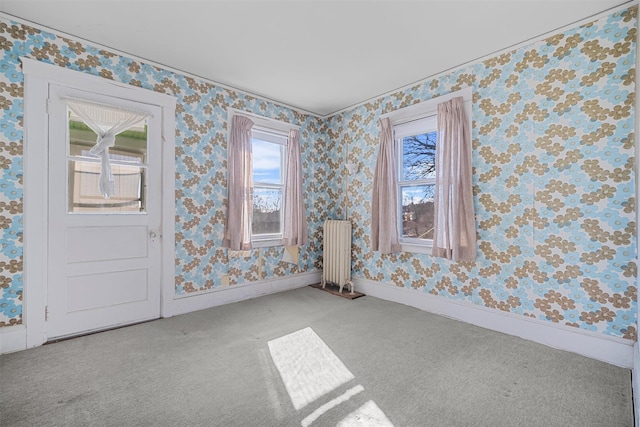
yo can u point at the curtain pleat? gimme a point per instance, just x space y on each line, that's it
295 220
454 222
384 204
106 122
237 231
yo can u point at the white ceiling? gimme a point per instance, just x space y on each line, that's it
319 56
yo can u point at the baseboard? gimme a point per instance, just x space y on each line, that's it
635 383
616 351
13 338
235 293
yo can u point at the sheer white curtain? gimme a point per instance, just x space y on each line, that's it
295 221
384 205
237 230
106 121
454 222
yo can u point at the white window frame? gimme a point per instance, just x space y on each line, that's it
275 131
419 126
411 119
274 137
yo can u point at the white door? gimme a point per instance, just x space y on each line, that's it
104 255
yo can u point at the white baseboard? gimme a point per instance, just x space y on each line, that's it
234 293
616 351
13 338
635 383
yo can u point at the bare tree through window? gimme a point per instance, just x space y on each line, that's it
419 156
417 185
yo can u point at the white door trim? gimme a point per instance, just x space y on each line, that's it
37 77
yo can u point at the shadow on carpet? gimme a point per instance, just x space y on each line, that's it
335 290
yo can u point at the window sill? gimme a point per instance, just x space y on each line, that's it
267 243
416 248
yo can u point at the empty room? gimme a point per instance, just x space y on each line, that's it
318 213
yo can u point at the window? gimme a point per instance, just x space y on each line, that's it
128 160
415 129
416 142
268 147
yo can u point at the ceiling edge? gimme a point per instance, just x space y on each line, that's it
155 64
527 42
510 48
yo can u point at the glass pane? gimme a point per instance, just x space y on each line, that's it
266 211
417 211
267 162
419 156
127 156
84 194
130 145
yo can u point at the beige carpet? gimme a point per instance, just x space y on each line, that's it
227 366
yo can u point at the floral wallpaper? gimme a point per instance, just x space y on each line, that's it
554 189
201 128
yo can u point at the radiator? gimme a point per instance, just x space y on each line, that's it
336 254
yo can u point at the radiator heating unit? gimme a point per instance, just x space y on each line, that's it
336 254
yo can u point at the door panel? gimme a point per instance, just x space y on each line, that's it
103 264
106 243
101 290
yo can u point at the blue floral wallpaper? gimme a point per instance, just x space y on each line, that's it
554 188
553 151
201 128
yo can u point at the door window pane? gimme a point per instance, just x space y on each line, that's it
417 211
128 165
84 194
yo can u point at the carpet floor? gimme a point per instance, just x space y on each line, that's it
306 357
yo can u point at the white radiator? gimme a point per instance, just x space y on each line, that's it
336 254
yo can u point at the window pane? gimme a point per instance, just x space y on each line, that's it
127 156
130 145
419 156
417 211
267 162
84 194
266 211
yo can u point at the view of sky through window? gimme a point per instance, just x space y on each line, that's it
266 162
268 186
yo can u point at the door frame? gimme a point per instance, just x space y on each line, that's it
37 78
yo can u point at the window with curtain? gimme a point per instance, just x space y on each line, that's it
416 138
277 212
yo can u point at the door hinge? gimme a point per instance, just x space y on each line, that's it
46 312
49 105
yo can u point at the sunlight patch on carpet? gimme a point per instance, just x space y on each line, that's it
308 367
331 404
367 415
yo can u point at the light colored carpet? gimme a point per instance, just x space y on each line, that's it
215 368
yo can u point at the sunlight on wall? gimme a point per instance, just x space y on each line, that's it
310 370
